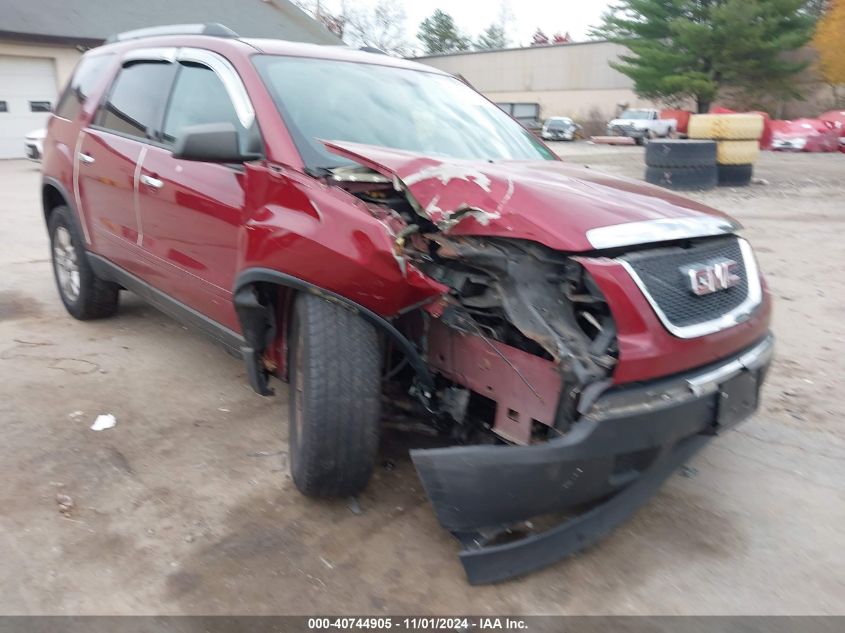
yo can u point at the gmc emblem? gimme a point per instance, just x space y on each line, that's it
705 279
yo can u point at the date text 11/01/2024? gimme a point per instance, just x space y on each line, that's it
420 623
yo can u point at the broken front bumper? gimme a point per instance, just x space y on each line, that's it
615 457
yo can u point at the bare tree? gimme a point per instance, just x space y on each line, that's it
505 19
381 27
334 22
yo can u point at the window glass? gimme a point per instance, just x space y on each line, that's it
39 106
136 99
526 110
198 98
86 77
413 110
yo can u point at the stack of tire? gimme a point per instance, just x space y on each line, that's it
737 137
681 164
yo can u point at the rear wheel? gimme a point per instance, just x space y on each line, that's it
335 398
84 295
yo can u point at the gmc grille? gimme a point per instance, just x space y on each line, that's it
661 274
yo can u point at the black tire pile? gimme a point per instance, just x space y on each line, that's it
681 165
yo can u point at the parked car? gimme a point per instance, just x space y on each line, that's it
642 125
805 135
34 144
401 245
837 118
559 128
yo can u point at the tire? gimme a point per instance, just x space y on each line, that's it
84 295
735 175
682 178
731 127
335 398
677 153
737 152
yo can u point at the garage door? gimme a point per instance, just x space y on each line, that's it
27 92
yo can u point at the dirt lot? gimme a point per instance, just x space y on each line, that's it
185 506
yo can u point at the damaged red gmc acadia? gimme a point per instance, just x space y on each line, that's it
380 236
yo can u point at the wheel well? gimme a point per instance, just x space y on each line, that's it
263 298
263 309
51 198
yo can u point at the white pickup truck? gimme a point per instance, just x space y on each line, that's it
642 125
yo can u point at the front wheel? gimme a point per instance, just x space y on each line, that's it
335 398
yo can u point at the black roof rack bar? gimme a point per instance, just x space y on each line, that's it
213 28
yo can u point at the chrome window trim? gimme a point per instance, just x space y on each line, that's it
660 230
157 54
227 74
218 64
729 319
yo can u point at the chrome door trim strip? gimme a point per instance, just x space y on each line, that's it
76 196
137 195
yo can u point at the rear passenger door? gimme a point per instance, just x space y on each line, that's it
192 211
107 155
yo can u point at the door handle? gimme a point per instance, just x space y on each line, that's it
86 159
155 183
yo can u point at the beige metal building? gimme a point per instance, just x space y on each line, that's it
576 80
565 79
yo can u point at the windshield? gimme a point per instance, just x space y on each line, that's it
561 122
411 110
635 114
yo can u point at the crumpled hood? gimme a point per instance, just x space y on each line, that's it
550 202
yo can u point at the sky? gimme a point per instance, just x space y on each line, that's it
473 16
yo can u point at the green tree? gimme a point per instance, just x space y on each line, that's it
696 48
493 37
439 34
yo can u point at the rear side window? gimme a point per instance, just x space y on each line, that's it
198 97
88 75
136 99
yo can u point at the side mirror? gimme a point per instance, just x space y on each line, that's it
211 143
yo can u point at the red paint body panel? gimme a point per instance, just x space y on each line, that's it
326 236
646 349
469 360
108 186
191 228
549 202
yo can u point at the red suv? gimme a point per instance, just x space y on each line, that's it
387 241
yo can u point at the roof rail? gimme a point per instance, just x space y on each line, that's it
212 28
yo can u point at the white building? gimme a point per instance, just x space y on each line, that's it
41 40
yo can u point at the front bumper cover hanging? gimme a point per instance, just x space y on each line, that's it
615 457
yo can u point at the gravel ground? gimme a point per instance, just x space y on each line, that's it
185 506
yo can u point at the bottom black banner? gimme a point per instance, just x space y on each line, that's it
408 624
